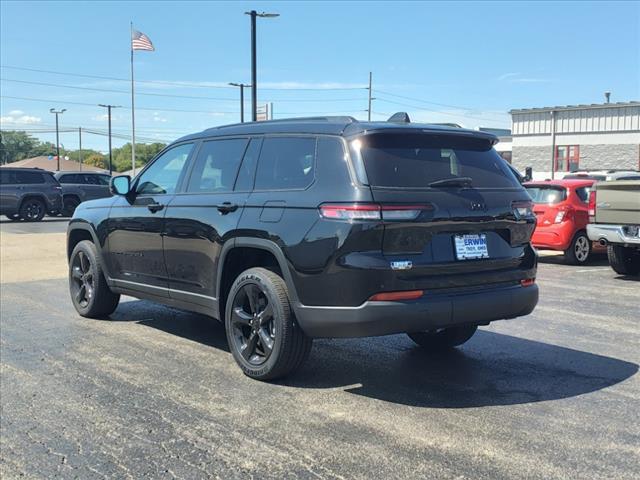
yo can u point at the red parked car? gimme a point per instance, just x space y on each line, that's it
561 207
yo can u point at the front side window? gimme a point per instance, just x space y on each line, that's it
164 175
286 163
102 179
422 161
217 165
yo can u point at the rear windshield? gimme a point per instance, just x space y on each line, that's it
546 194
415 161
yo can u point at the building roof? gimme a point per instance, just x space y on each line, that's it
52 165
576 107
343 126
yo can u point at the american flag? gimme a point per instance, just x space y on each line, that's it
139 41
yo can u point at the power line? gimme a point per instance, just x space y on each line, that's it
430 102
423 109
178 84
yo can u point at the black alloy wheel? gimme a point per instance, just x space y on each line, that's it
254 328
82 279
32 210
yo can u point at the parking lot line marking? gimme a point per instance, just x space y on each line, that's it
590 270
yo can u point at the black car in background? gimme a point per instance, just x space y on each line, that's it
78 187
296 229
28 193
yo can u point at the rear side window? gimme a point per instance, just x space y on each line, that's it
7 177
546 194
217 165
414 161
583 194
70 178
30 177
286 163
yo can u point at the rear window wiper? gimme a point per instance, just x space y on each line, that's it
452 182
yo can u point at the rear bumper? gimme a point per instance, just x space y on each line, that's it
553 237
433 310
611 233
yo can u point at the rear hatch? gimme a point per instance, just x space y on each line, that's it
465 212
548 202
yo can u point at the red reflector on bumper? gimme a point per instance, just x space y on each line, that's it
397 296
527 282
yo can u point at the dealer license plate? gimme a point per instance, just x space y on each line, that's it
469 247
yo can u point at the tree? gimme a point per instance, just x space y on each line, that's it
16 145
97 160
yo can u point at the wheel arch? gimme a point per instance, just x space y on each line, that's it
241 245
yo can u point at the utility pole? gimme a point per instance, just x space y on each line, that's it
57 112
80 147
254 80
109 107
241 85
370 98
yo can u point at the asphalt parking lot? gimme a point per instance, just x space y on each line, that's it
155 393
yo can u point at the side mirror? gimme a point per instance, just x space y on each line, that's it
120 185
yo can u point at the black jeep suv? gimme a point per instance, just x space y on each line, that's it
290 230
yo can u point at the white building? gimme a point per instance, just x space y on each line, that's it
552 140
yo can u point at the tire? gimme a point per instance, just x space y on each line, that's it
14 217
69 206
624 260
444 339
579 251
32 210
90 294
263 335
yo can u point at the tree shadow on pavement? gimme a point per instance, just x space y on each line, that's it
491 369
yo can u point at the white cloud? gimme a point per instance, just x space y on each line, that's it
17 117
158 118
516 77
100 118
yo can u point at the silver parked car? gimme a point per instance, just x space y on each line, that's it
78 187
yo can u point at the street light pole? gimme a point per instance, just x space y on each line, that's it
241 85
254 80
109 107
57 112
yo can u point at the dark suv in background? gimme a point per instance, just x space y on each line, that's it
78 187
294 229
28 193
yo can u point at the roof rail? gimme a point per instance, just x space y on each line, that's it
336 118
454 125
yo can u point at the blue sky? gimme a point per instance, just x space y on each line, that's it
442 62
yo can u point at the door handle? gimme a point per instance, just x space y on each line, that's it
227 207
155 207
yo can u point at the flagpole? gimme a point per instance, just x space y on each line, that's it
133 114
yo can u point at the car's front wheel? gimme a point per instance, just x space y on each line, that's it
579 251
90 294
69 206
262 331
444 338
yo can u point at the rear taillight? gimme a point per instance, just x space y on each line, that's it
592 205
527 282
523 209
397 296
57 188
372 211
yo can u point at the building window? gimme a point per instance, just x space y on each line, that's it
567 158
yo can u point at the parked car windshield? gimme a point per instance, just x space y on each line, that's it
546 194
416 161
